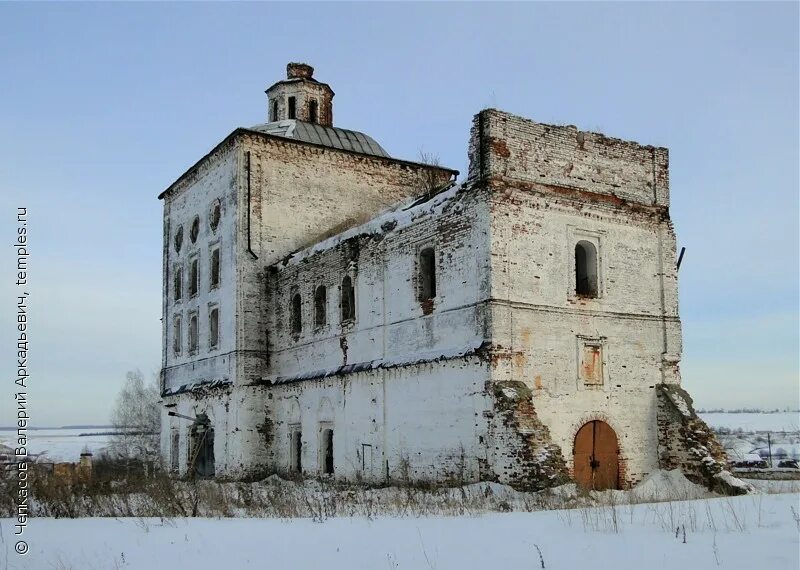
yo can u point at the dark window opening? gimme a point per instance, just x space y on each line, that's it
427 274
292 112
178 283
327 451
195 229
348 303
215 269
297 452
312 111
193 334
320 306
585 269
274 116
213 328
194 278
214 216
297 318
178 239
176 332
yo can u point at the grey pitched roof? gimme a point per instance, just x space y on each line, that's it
333 137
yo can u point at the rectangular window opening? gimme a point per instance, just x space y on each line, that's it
213 327
215 269
194 277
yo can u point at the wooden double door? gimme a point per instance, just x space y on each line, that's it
596 460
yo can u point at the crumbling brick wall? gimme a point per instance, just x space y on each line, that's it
525 456
685 442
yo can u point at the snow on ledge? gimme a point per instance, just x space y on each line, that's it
395 218
389 362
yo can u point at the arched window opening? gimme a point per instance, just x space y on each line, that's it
193 334
320 306
213 327
296 451
427 274
326 451
297 317
178 282
585 269
348 303
312 111
274 116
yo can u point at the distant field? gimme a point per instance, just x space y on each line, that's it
67 445
777 422
60 444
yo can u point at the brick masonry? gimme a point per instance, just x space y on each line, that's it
483 381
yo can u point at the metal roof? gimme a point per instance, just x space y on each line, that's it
327 136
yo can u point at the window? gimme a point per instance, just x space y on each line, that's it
214 277
591 366
214 215
274 116
296 315
213 327
192 333
320 306
195 231
178 239
312 111
194 277
177 281
296 451
585 269
326 451
177 341
348 302
292 108
174 458
427 274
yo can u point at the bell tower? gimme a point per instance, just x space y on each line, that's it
300 97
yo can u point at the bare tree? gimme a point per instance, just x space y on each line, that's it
430 179
136 418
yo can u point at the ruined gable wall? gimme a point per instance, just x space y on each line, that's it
520 149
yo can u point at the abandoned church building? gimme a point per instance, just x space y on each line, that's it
330 310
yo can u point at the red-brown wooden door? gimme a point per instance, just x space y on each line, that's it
596 460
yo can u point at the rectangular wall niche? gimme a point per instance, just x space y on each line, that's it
590 368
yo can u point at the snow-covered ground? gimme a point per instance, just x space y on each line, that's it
60 444
775 422
733 533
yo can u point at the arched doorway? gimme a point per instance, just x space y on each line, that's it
596 461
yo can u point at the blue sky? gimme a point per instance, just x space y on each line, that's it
103 105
